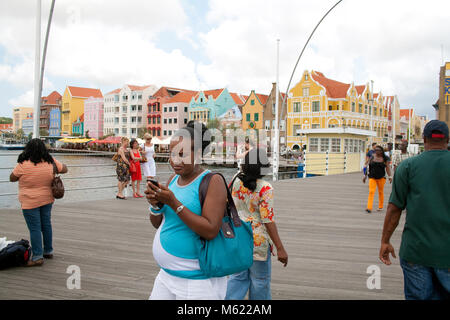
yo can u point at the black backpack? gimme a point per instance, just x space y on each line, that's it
15 254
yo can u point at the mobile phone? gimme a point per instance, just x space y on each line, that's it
156 183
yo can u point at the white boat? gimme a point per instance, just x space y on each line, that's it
10 143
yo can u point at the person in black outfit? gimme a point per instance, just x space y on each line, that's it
378 166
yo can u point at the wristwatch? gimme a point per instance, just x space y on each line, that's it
179 209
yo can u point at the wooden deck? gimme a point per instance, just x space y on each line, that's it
321 220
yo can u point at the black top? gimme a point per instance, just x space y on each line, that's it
377 170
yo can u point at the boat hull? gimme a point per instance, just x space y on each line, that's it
11 147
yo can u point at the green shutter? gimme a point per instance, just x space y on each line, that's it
256 116
248 116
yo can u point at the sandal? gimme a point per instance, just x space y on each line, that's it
135 195
122 198
139 195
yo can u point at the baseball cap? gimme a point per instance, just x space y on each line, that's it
435 129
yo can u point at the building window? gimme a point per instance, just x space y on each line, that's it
314 144
297 129
185 120
133 108
170 132
175 109
315 126
305 92
165 132
170 109
306 77
175 120
140 96
375 110
252 102
124 108
133 130
335 145
247 117
133 119
139 119
185 109
124 130
165 109
139 107
297 106
315 106
365 109
256 116
165 120
353 107
360 108
324 144
159 120
330 108
124 120
170 120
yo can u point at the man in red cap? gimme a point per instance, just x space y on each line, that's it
422 186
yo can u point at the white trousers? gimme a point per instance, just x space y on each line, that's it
168 287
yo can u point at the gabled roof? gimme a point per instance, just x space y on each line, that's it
214 93
182 97
114 91
84 92
334 89
405 113
238 99
137 88
52 98
170 92
360 89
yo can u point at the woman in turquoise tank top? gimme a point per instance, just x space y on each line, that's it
181 221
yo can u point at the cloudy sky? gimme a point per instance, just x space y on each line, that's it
207 44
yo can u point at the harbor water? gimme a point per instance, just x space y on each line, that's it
88 178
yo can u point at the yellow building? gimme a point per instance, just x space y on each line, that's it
253 111
72 106
317 102
19 114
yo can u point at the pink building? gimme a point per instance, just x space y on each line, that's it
175 113
93 117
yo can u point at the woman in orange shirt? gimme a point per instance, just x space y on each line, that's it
34 171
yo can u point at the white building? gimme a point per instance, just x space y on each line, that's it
125 110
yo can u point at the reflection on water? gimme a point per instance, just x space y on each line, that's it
104 187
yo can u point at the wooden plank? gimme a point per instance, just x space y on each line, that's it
321 220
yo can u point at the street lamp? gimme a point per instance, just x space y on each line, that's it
283 105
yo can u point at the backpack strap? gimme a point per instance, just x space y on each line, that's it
230 209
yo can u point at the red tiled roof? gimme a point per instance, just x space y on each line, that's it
137 88
360 89
262 98
238 99
114 91
85 92
182 97
405 113
52 98
164 92
334 89
375 95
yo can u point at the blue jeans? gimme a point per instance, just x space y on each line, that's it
256 280
39 224
425 283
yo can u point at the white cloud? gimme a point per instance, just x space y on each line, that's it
24 100
396 45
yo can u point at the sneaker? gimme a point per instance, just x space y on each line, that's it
368 211
48 256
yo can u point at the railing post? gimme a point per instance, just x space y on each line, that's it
326 164
304 164
345 161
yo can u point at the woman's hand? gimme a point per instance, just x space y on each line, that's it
364 179
160 194
282 256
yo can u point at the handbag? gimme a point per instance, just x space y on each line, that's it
231 251
132 167
57 184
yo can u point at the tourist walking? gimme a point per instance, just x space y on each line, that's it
182 222
377 169
253 198
136 173
123 167
398 158
35 172
422 187
148 150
